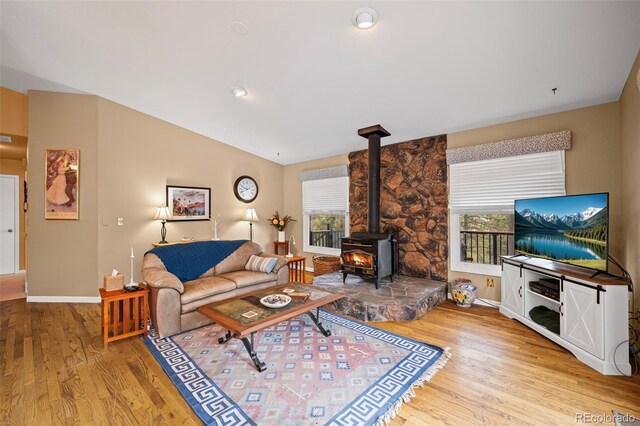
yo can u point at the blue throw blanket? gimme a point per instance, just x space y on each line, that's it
189 261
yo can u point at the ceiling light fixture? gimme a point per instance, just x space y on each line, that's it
364 18
238 91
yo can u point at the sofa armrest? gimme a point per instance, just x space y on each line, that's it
283 275
282 261
161 278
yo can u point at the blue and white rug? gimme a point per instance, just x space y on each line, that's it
360 375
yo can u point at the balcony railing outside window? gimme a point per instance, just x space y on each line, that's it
485 246
326 238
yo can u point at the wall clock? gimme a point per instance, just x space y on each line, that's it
246 189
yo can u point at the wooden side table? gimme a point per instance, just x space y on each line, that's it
283 244
297 266
124 314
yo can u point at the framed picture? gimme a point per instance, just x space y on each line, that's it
61 181
189 203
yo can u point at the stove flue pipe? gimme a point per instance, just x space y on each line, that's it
374 134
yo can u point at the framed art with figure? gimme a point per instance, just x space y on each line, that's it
62 184
189 203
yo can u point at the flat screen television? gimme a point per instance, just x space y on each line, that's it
572 229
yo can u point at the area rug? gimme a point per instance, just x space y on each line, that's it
360 375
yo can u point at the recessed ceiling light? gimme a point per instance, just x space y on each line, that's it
364 18
238 91
239 28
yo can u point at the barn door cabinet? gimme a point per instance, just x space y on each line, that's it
592 310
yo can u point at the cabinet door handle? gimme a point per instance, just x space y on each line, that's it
520 291
561 313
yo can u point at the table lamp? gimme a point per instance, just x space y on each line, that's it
250 216
292 242
162 214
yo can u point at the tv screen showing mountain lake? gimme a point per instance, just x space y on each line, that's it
568 229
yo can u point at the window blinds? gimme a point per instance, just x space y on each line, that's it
491 186
325 196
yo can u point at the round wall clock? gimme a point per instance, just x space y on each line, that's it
246 189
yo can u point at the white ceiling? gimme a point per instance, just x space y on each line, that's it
313 79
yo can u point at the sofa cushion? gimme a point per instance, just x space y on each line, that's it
260 264
282 260
191 307
236 260
205 287
247 278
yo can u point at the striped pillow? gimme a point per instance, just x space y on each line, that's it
261 264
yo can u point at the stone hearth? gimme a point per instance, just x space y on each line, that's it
406 299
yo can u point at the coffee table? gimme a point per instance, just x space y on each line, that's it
228 313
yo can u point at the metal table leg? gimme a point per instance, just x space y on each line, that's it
226 338
261 366
316 320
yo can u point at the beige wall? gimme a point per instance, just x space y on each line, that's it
592 164
63 254
293 197
126 159
139 155
630 179
13 112
18 167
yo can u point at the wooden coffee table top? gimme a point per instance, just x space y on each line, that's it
228 313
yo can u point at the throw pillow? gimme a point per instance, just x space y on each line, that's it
261 264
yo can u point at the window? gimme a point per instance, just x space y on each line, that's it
481 196
325 208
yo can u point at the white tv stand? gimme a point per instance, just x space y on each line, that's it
593 310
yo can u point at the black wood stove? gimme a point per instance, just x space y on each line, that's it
370 254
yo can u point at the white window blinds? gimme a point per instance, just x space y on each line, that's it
326 196
491 186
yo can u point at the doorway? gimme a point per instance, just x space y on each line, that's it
9 224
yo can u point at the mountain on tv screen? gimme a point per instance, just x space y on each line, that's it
571 229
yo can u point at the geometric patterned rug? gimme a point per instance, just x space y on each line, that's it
360 375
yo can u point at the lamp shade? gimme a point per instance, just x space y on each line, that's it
250 216
162 213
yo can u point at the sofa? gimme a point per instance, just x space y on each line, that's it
174 301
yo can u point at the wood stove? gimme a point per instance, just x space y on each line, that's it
370 254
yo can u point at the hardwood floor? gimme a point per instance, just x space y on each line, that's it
54 370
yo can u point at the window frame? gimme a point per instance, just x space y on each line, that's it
498 205
318 249
458 265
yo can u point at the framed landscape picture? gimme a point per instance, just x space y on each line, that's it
189 203
61 181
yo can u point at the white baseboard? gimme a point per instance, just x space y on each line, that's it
63 299
488 303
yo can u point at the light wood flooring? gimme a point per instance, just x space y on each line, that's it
54 370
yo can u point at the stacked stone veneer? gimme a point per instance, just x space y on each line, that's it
413 202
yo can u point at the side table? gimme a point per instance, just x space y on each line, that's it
283 244
124 314
297 266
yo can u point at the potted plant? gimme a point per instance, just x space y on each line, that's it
280 223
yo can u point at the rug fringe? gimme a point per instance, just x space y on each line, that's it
386 418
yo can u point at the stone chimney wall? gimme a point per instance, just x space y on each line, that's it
413 198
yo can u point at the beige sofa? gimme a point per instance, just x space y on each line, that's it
173 303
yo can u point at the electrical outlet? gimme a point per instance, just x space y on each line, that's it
490 282
120 221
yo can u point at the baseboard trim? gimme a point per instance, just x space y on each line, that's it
489 303
63 299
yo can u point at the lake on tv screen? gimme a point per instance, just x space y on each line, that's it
555 245
569 229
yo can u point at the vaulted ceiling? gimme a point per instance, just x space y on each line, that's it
313 78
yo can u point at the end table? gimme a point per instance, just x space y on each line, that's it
124 313
283 244
297 266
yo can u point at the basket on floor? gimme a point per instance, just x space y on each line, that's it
325 265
